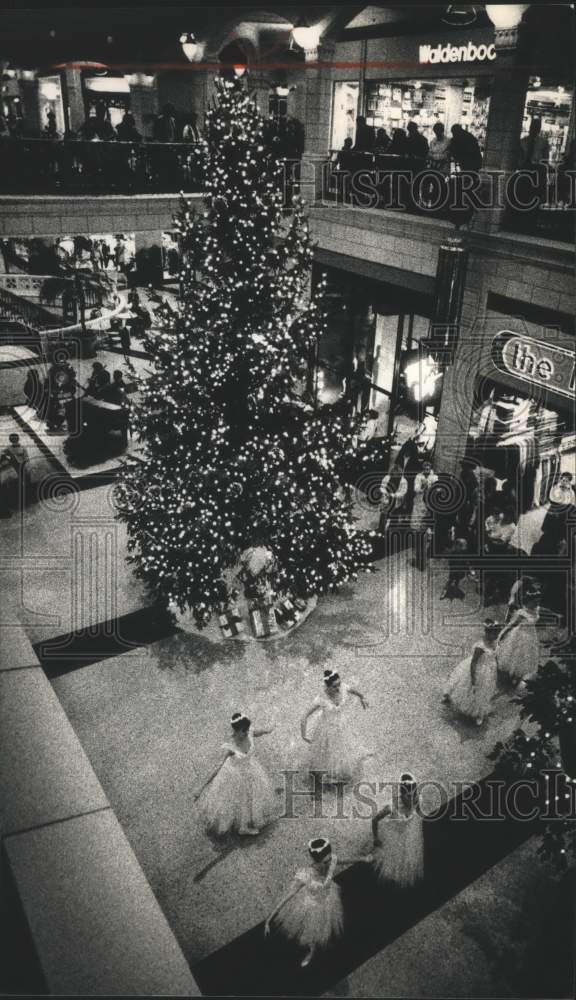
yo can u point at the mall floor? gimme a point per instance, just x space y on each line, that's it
152 719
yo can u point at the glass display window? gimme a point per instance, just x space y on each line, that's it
344 112
517 436
553 105
456 101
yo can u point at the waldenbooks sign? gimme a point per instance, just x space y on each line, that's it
457 53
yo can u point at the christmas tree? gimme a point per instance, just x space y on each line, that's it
232 455
547 755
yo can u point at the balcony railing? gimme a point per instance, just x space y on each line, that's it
405 184
46 166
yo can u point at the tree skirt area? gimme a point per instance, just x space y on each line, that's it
215 630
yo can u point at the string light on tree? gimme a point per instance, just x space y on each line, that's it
231 453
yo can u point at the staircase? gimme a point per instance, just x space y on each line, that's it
15 309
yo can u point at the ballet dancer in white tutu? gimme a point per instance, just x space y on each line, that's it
518 648
398 835
310 912
239 795
334 749
473 682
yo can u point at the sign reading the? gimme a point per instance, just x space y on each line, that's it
457 53
535 361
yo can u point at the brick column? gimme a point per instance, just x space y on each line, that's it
205 90
144 104
31 106
148 248
318 109
73 99
504 126
318 99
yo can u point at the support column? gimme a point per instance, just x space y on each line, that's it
318 109
31 106
206 89
74 111
144 105
148 250
445 343
507 102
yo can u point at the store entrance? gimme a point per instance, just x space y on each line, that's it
371 361
521 449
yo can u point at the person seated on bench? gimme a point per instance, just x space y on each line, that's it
98 382
116 393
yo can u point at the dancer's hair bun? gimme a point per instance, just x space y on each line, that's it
330 677
240 721
319 848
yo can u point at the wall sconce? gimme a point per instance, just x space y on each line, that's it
506 16
190 46
304 35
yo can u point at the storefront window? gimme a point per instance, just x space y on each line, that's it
345 110
553 106
113 93
522 446
50 103
391 104
371 357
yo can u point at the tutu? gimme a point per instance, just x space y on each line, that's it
519 652
401 857
241 795
334 748
314 916
466 698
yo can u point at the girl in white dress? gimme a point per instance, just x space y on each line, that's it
398 835
421 515
473 682
240 795
333 747
518 649
310 912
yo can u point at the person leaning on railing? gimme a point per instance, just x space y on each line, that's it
126 131
466 153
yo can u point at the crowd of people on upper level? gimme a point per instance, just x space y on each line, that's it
168 126
461 148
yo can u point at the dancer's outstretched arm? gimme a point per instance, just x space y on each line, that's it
285 898
353 861
386 811
510 626
263 732
476 657
212 776
358 694
311 710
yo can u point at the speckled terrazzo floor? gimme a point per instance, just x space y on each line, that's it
152 720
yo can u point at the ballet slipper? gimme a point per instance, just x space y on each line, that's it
307 959
249 831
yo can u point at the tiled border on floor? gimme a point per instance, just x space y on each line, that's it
457 852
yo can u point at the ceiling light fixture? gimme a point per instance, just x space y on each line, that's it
506 16
304 35
190 45
459 15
